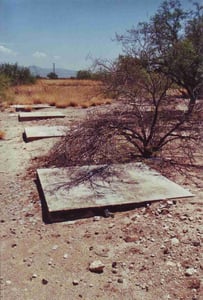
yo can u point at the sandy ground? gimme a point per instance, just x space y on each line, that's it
148 253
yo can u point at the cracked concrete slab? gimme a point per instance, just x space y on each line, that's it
29 116
131 183
25 107
40 132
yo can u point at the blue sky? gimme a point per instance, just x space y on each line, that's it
67 32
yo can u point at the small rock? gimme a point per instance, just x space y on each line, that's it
170 264
44 281
75 282
190 271
183 218
120 280
196 243
130 239
166 251
8 282
65 256
96 218
96 266
50 262
144 286
108 214
54 247
34 275
114 271
175 242
134 217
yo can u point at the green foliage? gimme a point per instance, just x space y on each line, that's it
84 74
4 84
88 74
184 65
17 75
52 75
164 51
180 45
172 44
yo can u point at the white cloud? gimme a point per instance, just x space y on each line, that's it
57 57
6 50
39 54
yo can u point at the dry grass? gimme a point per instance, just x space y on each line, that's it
61 93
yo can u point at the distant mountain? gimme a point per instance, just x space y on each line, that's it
62 73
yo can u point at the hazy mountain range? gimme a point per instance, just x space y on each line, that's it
62 73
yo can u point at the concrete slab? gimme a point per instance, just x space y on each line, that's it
136 183
29 116
24 107
40 132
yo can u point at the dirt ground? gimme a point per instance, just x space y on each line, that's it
148 253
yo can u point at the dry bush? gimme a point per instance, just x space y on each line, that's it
84 105
61 104
2 135
118 134
37 101
73 104
64 104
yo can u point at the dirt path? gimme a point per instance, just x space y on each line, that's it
148 253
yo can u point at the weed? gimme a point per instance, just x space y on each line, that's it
84 105
2 135
28 108
37 101
61 105
73 104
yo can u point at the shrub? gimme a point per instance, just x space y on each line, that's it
17 75
52 75
4 84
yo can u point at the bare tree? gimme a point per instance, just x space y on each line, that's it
172 42
142 122
145 120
